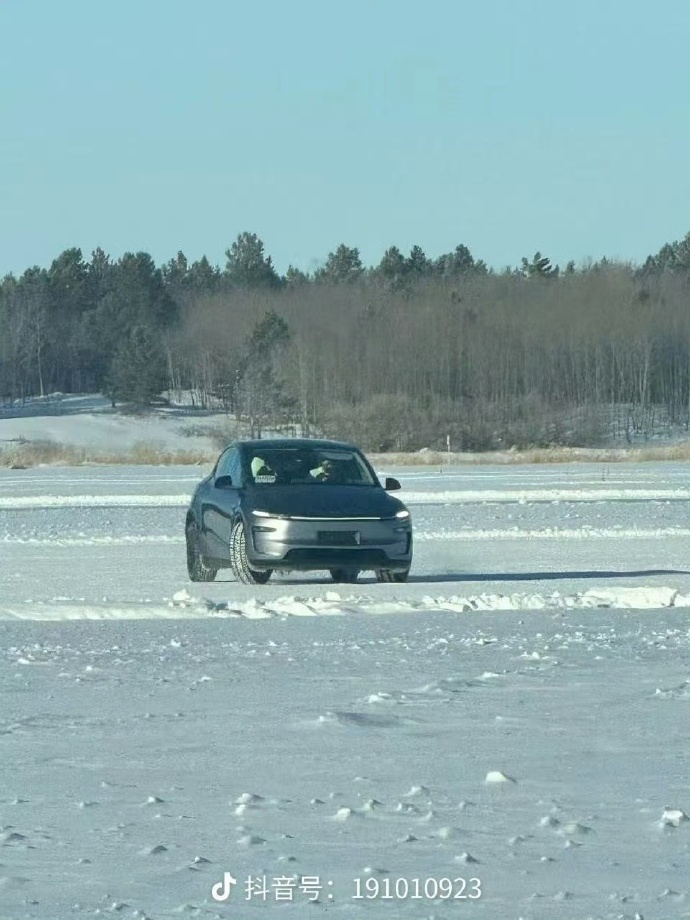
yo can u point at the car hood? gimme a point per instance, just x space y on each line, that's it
324 501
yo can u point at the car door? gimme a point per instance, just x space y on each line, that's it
220 504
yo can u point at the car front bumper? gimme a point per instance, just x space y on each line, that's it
325 543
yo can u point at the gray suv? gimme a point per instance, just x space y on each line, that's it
296 504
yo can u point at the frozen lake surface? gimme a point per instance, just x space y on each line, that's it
155 734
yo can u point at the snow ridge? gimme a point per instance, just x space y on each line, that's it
455 497
514 533
184 605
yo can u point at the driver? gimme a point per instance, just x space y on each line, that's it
326 472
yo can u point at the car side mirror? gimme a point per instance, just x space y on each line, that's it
392 485
223 482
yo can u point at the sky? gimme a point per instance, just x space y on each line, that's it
509 126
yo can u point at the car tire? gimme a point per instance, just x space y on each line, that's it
239 561
197 567
344 576
388 576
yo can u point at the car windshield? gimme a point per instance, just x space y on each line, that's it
308 466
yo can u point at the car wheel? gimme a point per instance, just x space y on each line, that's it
239 562
345 576
386 575
197 567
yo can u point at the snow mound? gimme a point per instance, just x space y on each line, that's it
549 821
251 840
10 837
496 776
156 850
575 829
415 791
344 814
248 798
448 833
673 817
371 805
642 598
466 858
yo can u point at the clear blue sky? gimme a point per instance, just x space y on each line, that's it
506 125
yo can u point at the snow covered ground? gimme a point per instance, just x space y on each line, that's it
89 422
516 713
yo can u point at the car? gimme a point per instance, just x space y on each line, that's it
296 504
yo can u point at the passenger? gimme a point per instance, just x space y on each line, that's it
261 471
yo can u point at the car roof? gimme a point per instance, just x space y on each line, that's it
295 443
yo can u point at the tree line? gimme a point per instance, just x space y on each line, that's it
398 355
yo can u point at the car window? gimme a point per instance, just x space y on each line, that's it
308 466
235 467
228 463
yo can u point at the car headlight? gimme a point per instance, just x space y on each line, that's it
262 514
402 515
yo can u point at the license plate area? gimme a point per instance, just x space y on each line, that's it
338 538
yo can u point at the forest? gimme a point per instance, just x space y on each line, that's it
398 356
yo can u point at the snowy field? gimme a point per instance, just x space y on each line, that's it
89 427
516 714
91 423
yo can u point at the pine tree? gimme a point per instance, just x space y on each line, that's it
343 265
263 394
247 266
393 268
539 267
138 370
418 265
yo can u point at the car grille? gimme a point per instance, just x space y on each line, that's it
339 556
338 538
